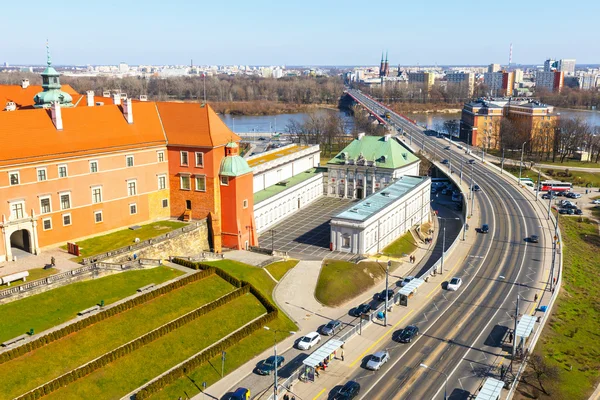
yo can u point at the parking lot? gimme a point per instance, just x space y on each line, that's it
306 234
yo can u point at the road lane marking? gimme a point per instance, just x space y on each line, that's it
380 339
319 394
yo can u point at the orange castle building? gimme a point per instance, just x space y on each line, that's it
73 166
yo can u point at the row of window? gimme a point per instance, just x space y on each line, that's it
14 177
185 182
184 158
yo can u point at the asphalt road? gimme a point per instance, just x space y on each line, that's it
464 333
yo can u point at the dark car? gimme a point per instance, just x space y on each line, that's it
578 212
570 211
268 366
534 239
560 194
445 162
570 206
476 188
331 327
363 309
447 148
240 394
407 334
485 228
381 296
546 196
471 161
347 392
563 210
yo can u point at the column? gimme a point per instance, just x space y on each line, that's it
346 184
364 179
373 181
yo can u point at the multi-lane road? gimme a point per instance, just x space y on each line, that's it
464 334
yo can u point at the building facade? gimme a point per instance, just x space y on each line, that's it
368 164
426 79
500 83
551 81
464 81
368 226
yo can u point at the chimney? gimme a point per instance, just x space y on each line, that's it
360 135
25 83
387 137
106 93
143 97
90 98
128 111
116 99
123 96
56 115
10 106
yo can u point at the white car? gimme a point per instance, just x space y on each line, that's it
309 340
597 201
377 360
406 281
454 284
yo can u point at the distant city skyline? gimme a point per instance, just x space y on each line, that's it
318 33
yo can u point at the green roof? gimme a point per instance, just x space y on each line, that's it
280 187
387 153
234 166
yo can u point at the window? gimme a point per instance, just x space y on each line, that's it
184 157
162 182
201 183
129 161
45 206
66 219
65 201
184 182
133 208
96 194
97 216
41 174
93 166
47 224
199 159
14 178
188 204
165 203
245 203
62 171
131 188
346 241
16 210
161 156
225 180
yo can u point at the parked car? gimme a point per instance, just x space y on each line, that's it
570 211
597 201
471 161
485 228
381 296
241 394
534 239
547 196
377 360
445 162
570 206
476 188
573 195
363 309
309 340
454 284
406 281
578 212
563 210
407 334
348 392
268 366
331 327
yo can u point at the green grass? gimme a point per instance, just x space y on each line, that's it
278 269
571 336
61 356
525 172
128 373
516 155
572 163
124 237
578 178
340 281
405 244
45 310
34 274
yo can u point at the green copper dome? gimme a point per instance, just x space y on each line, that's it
51 86
234 166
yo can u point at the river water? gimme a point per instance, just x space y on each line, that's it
278 123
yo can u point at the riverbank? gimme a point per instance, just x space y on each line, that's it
426 108
261 108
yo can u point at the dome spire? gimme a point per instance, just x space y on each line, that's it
48 59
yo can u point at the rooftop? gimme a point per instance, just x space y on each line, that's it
23 97
281 186
376 202
257 160
386 152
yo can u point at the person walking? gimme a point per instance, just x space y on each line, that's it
342 354
535 298
53 261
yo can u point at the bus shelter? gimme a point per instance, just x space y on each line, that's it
524 328
318 357
490 390
407 291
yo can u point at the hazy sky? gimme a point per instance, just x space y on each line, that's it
303 32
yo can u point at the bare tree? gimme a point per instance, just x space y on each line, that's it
543 371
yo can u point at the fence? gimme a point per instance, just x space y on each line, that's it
205 255
141 245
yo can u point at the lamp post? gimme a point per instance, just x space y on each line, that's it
275 331
444 241
441 373
387 274
272 241
502 163
521 163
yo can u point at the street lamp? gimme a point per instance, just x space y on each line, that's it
521 163
272 240
441 373
275 331
444 241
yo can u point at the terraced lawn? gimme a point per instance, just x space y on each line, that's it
128 373
56 306
278 269
59 357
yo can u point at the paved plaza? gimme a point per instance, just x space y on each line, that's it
306 234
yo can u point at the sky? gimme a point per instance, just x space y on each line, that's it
307 32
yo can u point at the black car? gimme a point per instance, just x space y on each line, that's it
347 392
471 161
534 239
381 296
407 334
578 212
485 228
363 309
331 327
445 162
476 188
570 211
563 210
447 148
546 196
268 366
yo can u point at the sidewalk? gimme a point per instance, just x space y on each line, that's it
28 261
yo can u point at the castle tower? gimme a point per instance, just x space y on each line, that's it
382 67
51 86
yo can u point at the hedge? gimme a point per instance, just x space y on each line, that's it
131 346
102 315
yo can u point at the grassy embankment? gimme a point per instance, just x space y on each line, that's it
56 306
124 237
405 244
279 269
569 341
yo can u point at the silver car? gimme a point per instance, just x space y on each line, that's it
377 360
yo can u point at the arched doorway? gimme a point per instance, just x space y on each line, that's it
21 240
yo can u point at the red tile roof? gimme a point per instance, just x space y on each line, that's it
24 97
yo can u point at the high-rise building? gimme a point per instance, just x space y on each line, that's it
425 78
499 83
518 75
494 68
588 81
551 81
567 66
463 80
550 65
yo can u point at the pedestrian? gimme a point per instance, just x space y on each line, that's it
317 371
535 298
53 261
510 337
342 354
